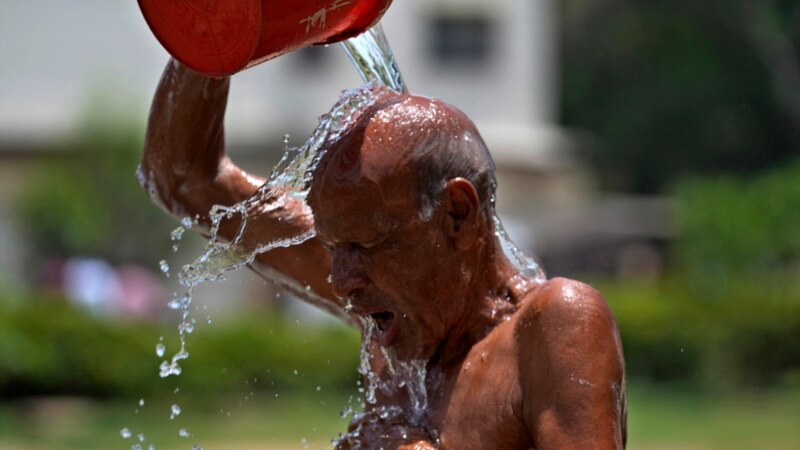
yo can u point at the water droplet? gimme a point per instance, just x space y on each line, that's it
286 138
140 437
160 349
164 267
151 447
183 354
184 433
319 388
175 412
186 327
141 402
177 233
187 222
125 433
136 446
164 370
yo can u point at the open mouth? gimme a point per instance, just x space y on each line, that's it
382 319
386 327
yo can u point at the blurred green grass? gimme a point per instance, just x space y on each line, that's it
659 418
663 418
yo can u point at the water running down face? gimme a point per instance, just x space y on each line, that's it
394 261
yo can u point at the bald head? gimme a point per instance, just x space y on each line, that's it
413 144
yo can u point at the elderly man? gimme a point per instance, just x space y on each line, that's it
402 205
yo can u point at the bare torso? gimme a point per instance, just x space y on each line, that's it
472 412
533 378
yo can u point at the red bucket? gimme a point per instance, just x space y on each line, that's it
222 37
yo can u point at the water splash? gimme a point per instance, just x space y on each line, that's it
290 179
526 264
402 376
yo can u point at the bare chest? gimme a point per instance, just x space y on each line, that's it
478 404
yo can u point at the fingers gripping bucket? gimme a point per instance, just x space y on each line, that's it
222 37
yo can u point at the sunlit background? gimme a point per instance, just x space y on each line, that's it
650 148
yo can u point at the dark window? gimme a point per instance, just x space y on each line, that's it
461 40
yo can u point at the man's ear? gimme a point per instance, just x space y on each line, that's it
462 212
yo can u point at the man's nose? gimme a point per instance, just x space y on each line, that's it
347 272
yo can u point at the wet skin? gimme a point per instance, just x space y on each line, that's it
512 364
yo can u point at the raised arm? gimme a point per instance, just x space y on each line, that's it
185 171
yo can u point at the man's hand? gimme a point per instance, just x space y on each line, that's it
385 428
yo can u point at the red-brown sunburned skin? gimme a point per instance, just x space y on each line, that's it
220 38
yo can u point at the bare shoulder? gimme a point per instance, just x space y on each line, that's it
571 366
566 317
560 302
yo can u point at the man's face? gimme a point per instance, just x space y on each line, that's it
387 262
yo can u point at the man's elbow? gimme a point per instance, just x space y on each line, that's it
149 182
167 190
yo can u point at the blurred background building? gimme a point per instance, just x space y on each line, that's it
498 62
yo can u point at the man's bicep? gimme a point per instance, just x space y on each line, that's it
574 372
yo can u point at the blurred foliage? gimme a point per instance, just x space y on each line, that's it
730 312
83 199
730 226
48 346
672 332
669 88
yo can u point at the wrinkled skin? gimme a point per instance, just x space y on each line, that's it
512 364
